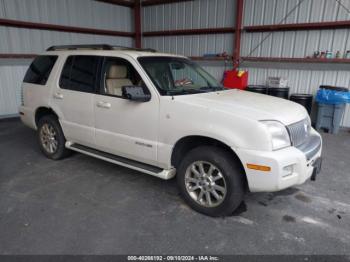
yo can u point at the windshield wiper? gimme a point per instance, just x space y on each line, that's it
212 88
184 91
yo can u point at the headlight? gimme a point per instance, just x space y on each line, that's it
279 134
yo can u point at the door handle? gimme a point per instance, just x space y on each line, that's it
58 96
104 105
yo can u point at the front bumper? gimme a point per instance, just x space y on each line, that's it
289 167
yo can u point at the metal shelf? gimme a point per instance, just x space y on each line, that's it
17 56
62 28
201 31
298 27
218 58
297 60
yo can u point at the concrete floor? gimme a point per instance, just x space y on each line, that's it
82 205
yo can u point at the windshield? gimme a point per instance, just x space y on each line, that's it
178 76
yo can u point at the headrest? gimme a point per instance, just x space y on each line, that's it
117 71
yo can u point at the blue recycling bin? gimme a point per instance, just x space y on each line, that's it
331 107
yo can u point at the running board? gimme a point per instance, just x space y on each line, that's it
122 161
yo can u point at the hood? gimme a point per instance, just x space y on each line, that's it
249 105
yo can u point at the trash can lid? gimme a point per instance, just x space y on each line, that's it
301 95
335 88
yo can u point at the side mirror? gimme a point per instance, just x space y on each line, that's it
135 93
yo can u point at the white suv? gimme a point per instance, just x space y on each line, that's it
163 115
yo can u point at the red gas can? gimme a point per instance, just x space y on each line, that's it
235 79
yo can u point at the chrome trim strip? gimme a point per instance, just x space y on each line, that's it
165 174
311 146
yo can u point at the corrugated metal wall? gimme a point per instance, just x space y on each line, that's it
20 40
264 12
300 43
80 13
295 44
302 77
11 77
190 15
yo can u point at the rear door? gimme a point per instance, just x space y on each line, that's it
73 98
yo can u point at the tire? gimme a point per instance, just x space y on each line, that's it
49 129
219 162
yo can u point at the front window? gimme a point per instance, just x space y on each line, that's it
117 73
178 76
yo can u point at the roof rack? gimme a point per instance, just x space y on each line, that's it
97 47
117 47
76 47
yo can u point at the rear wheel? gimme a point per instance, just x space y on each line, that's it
51 138
210 181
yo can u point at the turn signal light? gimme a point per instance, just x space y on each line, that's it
259 167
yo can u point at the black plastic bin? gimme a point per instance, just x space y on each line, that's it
304 100
282 92
257 89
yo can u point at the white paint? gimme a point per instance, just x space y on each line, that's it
292 237
243 220
230 116
313 221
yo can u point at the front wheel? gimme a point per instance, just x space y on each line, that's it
211 181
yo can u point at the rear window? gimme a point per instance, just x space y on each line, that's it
80 73
39 71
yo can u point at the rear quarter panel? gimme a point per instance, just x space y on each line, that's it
36 96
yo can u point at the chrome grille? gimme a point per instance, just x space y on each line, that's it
299 132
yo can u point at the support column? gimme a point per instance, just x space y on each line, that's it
137 22
237 35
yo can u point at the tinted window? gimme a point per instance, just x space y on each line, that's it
39 71
79 73
65 75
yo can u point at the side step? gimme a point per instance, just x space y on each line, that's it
122 161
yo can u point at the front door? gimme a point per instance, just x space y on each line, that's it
123 127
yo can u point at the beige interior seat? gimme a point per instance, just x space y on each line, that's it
116 79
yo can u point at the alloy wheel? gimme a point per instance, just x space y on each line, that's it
48 138
205 184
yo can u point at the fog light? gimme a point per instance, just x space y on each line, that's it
287 171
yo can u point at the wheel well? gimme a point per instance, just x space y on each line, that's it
43 111
186 144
